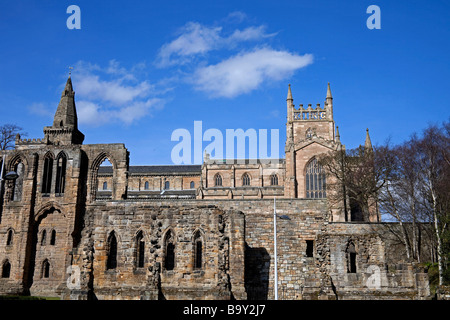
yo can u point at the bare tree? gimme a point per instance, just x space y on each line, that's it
8 134
355 178
433 150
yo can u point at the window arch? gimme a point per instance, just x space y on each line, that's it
315 180
61 164
273 179
6 269
245 179
166 185
198 250
111 262
44 238
169 256
107 163
192 185
217 180
19 168
47 174
146 185
10 237
105 185
351 257
45 269
53 237
140 250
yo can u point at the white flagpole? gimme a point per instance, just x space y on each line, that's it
275 248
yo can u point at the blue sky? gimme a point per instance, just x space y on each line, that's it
143 69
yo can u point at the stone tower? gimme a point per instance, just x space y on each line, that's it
65 123
309 132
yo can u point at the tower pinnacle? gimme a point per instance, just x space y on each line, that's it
329 96
65 122
289 96
368 143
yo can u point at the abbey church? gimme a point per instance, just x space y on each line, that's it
73 228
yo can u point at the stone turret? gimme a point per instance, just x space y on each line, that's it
368 143
65 123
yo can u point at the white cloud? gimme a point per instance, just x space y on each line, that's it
112 94
245 72
243 58
197 40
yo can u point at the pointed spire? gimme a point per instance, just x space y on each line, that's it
289 96
338 137
65 122
329 92
368 143
66 114
68 88
290 105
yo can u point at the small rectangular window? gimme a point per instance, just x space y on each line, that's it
309 248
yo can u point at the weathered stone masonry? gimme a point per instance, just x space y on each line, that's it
72 228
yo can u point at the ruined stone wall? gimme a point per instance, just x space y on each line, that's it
221 233
377 274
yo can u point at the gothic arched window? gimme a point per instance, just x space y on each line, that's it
167 185
245 179
45 269
44 238
18 183
9 238
111 262
140 250
273 180
61 163
169 256
315 180
47 175
198 250
146 187
217 180
192 185
6 269
351 257
53 238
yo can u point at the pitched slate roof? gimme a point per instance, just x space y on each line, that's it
163 169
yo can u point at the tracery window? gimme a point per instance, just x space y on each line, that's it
315 180
245 179
218 180
273 180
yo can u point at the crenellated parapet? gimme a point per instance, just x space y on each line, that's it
310 113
